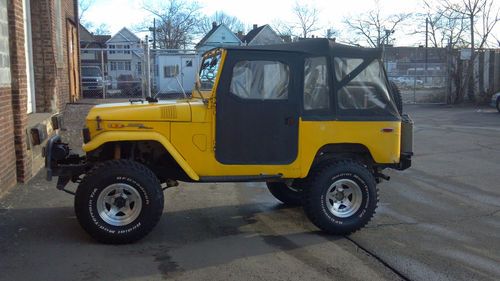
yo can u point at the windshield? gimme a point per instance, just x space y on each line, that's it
91 72
209 69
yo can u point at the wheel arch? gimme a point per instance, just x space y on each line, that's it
338 151
120 137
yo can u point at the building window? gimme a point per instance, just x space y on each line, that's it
260 80
170 70
111 47
127 65
113 65
189 63
139 68
127 47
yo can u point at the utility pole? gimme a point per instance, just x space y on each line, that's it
147 66
154 33
426 47
153 30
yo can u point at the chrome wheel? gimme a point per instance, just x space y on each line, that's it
119 204
343 198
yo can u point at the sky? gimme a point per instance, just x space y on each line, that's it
129 13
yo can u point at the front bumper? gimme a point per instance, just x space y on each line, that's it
61 163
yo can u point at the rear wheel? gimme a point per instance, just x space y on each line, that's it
498 105
286 192
341 198
119 202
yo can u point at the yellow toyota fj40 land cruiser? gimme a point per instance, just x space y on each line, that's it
316 120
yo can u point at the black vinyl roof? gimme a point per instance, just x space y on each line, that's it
316 46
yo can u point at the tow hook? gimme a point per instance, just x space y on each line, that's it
379 177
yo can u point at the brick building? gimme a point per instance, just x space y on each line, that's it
39 74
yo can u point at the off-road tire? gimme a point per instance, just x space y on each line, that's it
398 99
285 194
321 182
129 173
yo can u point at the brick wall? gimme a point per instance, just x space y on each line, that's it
51 57
49 19
7 152
18 87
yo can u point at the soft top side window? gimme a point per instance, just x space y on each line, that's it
260 80
316 89
362 88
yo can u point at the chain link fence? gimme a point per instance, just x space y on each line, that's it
112 73
421 74
122 73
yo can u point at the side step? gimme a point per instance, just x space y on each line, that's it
253 178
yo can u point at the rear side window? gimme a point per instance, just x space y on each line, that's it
363 89
316 90
260 80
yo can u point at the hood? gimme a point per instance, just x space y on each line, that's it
170 110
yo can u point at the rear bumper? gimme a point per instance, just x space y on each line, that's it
59 162
406 143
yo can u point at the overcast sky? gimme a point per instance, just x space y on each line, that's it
129 13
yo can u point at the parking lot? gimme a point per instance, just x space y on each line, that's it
438 220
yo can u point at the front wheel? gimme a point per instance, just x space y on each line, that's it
341 197
119 202
498 105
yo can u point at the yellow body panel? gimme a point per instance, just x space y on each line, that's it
116 135
313 135
186 128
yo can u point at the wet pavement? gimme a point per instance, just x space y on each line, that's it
439 220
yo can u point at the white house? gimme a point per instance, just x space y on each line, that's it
128 56
261 35
219 36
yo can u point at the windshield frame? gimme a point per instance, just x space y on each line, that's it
207 83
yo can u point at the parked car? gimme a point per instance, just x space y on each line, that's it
495 101
92 82
241 124
407 81
129 86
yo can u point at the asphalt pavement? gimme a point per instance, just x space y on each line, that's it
438 220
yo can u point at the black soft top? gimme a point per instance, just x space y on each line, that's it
316 46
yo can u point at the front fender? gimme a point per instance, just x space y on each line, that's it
114 136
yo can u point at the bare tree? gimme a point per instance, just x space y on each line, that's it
307 19
219 17
178 19
102 29
282 28
372 28
445 27
482 16
83 6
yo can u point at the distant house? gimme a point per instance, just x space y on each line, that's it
88 45
261 35
125 55
219 36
